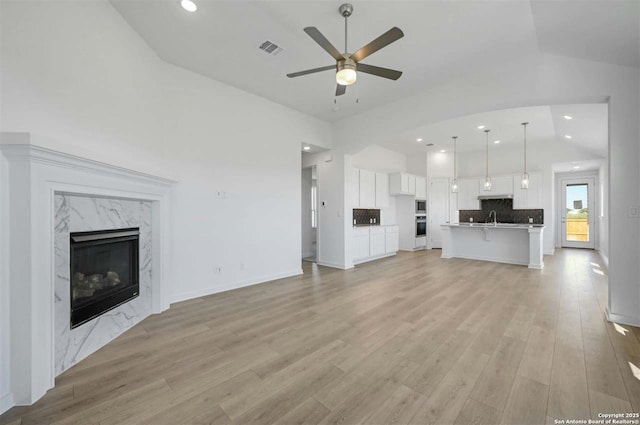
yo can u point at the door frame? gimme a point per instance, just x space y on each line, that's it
592 181
430 181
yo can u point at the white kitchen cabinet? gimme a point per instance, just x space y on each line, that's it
421 188
392 239
527 198
402 184
360 243
377 241
468 191
355 187
412 185
382 190
367 189
501 185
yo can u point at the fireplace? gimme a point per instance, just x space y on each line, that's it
104 272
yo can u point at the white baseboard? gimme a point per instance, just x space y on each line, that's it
624 320
334 265
377 257
493 260
604 257
232 285
6 402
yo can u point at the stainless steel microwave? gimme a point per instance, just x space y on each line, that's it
421 206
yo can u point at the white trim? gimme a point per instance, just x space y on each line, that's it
334 265
604 257
490 259
624 320
33 153
377 257
6 402
175 298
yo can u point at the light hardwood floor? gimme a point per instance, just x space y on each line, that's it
409 339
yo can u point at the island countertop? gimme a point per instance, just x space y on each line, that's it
495 226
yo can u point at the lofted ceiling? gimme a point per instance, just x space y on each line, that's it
443 40
588 129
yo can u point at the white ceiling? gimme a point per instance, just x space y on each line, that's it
588 130
605 31
444 39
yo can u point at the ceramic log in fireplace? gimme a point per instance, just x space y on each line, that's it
104 272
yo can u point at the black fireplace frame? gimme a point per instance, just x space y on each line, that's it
84 313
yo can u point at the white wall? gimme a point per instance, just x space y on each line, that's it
78 74
6 400
308 235
603 210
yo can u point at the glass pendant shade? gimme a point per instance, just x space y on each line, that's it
487 184
524 181
454 186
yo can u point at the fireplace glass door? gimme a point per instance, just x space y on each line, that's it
104 272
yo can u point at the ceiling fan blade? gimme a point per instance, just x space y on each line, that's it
385 39
311 71
323 42
340 89
391 74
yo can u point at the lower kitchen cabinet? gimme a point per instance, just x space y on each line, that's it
371 243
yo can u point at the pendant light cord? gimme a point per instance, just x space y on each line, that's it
487 133
524 124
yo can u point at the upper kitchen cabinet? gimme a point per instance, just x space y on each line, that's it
367 189
355 187
468 191
501 185
421 188
527 198
382 190
402 184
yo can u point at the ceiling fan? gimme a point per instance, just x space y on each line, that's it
347 64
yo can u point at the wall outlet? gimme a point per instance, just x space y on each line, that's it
217 270
221 194
634 211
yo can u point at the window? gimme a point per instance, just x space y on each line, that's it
314 204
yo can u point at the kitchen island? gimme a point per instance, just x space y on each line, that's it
501 243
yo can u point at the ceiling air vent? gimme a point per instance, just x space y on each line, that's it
271 48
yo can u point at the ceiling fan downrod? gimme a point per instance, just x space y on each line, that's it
345 10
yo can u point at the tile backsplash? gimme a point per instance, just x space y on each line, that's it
363 216
504 213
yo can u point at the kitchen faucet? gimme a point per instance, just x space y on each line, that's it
495 219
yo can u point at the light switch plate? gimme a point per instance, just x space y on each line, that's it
634 211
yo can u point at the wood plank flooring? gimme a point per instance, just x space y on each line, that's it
412 339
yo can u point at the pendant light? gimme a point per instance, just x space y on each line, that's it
454 182
487 179
524 179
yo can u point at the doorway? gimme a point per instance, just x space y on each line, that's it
439 209
309 214
578 212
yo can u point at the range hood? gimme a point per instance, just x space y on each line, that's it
503 196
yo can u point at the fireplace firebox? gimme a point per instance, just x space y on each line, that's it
104 272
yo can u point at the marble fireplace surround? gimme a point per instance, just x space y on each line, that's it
37 177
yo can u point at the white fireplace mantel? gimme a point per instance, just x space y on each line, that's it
32 175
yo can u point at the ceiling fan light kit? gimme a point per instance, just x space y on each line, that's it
348 64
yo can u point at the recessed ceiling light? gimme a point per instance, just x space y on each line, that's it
188 5
496 141
568 117
566 136
576 167
306 148
480 127
443 150
419 139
